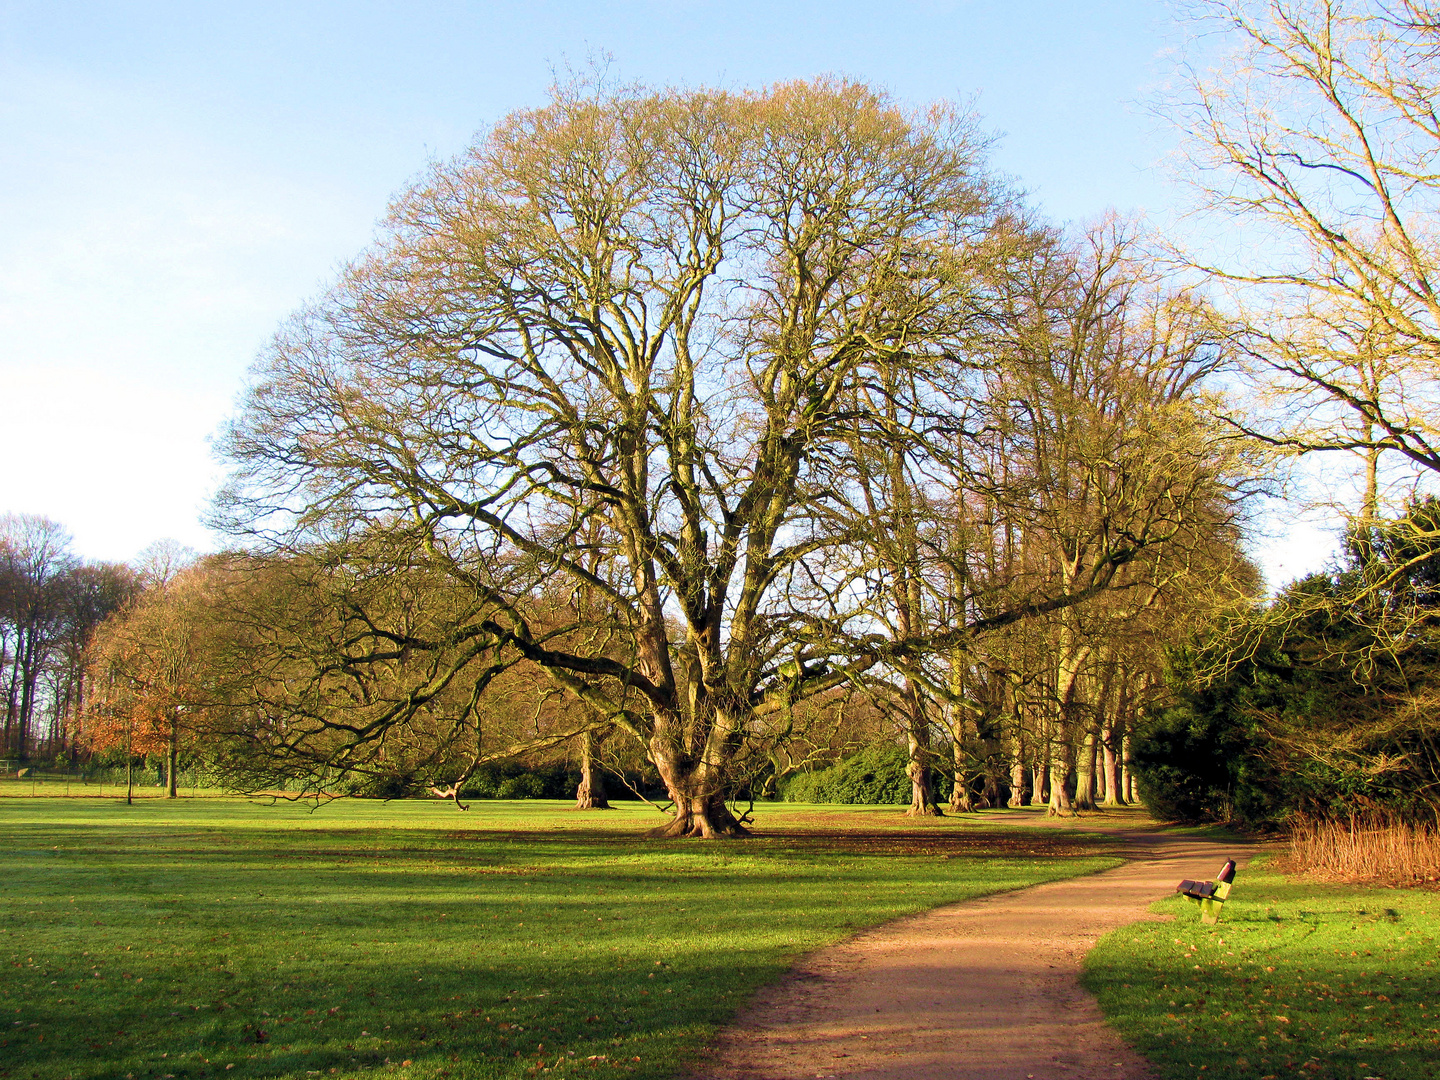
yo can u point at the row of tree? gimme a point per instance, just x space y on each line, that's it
681 421
714 432
50 605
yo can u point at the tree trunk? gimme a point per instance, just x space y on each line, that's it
1041 782
1059 804
172 757
1127 778
29 675
922 796
961 798
11 686
1113 795
1017 767
701 815
1085 774
960 802
590 795
989 789
697 790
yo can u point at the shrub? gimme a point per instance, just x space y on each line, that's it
806 787
1318 705
517 780
874 775
1184 760
525 786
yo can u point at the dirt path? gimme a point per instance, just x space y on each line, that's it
983 990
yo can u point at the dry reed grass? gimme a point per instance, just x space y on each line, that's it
1360 850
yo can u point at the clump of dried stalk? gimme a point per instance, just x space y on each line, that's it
1365 849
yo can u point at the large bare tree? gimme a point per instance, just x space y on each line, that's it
1312 134
620 377
648 310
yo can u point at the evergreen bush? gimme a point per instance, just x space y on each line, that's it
875 775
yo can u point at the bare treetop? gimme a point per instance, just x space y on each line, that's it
1317 138
617 374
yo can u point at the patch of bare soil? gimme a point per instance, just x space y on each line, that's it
995 842
1007 843
984 990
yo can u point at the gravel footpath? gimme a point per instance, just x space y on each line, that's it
983 990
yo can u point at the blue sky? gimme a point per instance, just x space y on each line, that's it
178 177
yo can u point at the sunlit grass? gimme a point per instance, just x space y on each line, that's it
222 937
1298 979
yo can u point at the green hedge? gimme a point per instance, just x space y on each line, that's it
518 780
874 775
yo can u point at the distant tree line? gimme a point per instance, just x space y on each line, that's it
50 605
708 439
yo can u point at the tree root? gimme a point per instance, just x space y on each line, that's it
718 824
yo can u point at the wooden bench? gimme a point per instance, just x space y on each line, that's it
1210 895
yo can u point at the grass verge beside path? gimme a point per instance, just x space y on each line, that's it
223 938
1298 979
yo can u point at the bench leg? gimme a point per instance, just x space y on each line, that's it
1209 909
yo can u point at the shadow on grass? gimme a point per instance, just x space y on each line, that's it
199 944
1320 981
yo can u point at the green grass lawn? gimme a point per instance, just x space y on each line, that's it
220 937
1298 979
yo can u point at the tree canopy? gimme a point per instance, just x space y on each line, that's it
642 381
